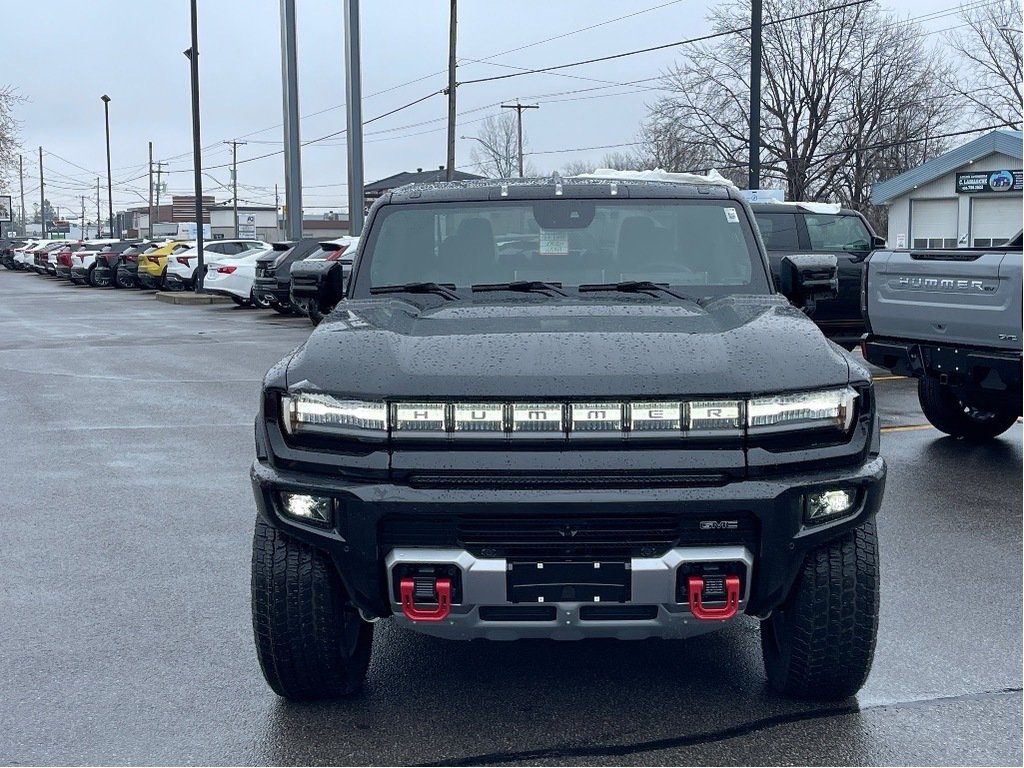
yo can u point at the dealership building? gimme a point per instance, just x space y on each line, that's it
970 196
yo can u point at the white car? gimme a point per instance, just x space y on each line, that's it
182 267
234 278
26 255
21 257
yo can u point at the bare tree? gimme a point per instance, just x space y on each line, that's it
496 152
576 167
9 98
825 98
897 97
990 46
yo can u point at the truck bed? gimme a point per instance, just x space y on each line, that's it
969 297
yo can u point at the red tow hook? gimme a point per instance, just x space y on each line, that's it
695 586
443 587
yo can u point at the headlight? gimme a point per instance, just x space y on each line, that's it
314 413
825 408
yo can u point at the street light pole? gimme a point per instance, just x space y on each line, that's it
754 176
290 95
193 56
110 191
354 125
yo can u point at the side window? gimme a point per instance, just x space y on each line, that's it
778 230
837 233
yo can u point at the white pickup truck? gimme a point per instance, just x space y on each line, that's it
953 320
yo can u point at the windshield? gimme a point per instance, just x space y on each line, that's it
705 247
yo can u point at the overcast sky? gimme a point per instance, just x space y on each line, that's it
62 55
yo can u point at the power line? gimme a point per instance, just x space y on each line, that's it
689 41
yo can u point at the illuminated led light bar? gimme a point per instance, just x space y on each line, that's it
714 414
314 412
828 408
655 418
537 417
486 418
317 413
418 417
596 417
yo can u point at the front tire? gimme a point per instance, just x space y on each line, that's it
819 644
948 413
310 640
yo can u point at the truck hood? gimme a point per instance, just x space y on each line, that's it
386 348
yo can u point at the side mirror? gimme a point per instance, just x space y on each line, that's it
877 242
334 285
807 278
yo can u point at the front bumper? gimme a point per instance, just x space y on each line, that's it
761 516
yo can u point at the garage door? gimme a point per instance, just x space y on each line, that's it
933 223
994 220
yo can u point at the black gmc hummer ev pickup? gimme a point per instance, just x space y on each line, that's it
568 408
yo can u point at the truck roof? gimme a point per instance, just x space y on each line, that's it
555 186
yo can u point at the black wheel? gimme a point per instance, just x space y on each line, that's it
258 301
819 644
310 640
163 280
949 413
90 278
123 281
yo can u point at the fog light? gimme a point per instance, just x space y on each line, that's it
825 505
310 509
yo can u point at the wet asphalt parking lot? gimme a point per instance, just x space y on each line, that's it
125 635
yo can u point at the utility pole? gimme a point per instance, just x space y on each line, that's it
21 180
110 193
150 228
193 56
85 236
450 171
234 177
159 171
754 178
519 124
277 210
290 92
42 197
354 111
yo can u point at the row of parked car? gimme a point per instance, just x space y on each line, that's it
250 272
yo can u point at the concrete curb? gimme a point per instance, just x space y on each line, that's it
190 298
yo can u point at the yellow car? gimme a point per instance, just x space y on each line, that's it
153 263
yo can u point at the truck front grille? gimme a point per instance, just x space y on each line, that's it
558 536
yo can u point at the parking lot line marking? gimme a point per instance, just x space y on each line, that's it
907 427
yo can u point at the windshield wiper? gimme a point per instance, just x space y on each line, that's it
447 290
633 286
524 286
